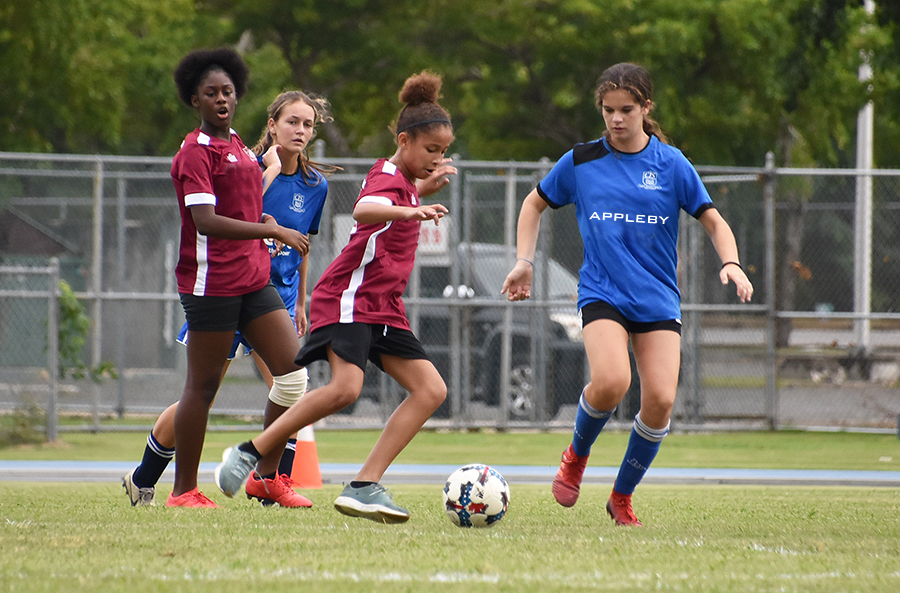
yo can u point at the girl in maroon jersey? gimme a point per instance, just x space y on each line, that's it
356 311
223 264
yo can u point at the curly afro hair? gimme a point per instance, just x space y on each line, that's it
196 65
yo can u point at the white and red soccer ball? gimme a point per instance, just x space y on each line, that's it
475 495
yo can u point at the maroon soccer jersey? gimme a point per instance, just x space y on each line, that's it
365 282
209 170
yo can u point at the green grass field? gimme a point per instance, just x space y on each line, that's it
85 537
77 537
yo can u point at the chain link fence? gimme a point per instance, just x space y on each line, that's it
819 347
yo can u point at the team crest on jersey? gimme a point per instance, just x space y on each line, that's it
649 179
231 158
297 203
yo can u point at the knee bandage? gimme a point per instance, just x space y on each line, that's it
287 389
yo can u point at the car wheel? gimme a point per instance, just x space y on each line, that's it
521 391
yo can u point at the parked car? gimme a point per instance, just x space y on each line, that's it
546 368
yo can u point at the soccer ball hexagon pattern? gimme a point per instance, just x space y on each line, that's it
475 495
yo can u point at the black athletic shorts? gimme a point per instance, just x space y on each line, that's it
214 313
603 310
357 342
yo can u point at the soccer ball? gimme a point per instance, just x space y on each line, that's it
475 496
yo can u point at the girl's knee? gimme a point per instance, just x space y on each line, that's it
605 392
341 396
431 395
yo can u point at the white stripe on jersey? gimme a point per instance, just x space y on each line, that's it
376 200
202 265
199 198
356 279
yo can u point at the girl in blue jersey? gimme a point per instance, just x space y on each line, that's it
295 190
628 188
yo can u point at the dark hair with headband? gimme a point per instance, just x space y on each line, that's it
636 81
422 112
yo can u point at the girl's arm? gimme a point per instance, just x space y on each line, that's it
211 224
372 212
723 240
272 162
300 309
517 285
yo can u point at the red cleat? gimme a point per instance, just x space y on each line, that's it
619 508
275 491
191 499
567 483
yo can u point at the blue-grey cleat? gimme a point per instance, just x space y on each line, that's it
373 502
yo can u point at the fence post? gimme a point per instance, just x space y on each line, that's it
771 310
456 330
53 349
509 239
97 286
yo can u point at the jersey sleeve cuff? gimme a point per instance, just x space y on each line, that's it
199 198
550 202
703 209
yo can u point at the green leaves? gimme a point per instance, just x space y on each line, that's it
74 325
731 76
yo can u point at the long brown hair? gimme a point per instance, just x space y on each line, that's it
310 169
634 79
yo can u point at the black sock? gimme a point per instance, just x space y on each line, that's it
286 465
267 476
249 448
155 461
361 483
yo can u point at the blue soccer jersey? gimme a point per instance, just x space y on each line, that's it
297 203
627 206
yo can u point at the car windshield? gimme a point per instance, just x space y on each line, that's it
485 265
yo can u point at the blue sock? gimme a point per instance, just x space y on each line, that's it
156 459
588 424
642 449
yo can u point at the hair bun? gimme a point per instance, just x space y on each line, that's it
424 87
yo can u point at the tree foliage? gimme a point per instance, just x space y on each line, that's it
734 78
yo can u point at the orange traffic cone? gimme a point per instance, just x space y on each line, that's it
305 473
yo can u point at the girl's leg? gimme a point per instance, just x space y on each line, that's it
341 391
657 355
364 496
206 359
606 345
286 462
160 448
427 392
274 340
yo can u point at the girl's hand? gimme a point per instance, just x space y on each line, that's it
294 239
734 273
437 180
430 212
271 158
269 219
302 322
517 286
